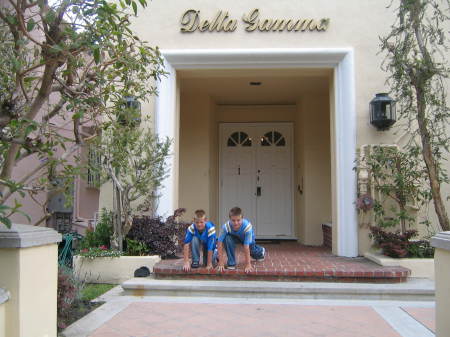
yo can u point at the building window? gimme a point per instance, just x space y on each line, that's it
94 165
239 138
273 138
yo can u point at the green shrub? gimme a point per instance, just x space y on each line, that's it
136 248
102 234
420 249
102 251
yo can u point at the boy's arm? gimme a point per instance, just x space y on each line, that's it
221 264
186 265
211 247
209 263
248 265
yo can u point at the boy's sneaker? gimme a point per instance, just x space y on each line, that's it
263 255
231 267
195 265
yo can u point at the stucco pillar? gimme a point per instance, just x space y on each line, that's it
441 242
4 297
167 125
29 271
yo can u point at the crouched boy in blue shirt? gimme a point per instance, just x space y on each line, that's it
238 231
200 234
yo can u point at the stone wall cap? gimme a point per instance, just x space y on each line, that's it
4 295
441 240
23 236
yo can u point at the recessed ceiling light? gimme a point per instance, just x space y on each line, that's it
255 83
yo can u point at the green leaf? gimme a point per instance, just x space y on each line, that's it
143 3
5 221
30 79
134 5
50 16
30 25
30 128
97 55
25 215
11 19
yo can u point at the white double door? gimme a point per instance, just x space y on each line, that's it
256 175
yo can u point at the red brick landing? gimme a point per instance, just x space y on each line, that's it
290 261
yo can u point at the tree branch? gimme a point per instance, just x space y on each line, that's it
25 178
55 110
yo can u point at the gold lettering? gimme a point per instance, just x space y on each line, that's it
230 26
252 20
323 26
266 25
189 21
223 22
312 25
204 25
302 24
215 22
281 25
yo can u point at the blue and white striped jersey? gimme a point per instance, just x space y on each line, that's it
245 233
207 236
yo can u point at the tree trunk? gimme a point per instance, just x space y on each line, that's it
117 239
432 168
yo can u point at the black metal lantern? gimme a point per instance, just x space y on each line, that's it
131 113
382 112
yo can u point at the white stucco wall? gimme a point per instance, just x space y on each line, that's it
356 25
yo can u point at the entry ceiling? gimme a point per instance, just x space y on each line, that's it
278 86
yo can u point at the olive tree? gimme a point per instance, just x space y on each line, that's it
417 62
65 67
134 159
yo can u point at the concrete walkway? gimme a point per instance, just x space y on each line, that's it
133 316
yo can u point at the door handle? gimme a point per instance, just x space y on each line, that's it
258 191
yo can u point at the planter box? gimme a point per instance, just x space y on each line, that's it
419 267
114 270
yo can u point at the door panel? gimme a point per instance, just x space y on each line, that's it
259 160
238 178
274 206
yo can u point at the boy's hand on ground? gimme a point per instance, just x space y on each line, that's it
186 266
248 268
209 266
220 267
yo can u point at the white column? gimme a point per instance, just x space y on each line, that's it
345 146
166 126
441 241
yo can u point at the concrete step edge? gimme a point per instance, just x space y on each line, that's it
278 287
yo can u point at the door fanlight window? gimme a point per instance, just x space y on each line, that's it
239 138
273 138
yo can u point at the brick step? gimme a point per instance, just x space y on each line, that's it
291 261
366 273
413 290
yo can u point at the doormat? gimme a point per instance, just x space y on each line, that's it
273 241
268 242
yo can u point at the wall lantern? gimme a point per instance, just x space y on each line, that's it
382 112
131 112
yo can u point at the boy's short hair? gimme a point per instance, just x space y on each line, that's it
235 211
199 214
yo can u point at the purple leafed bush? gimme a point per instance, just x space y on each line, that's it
67 293
398 245
161 237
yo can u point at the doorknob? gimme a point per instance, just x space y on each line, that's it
258 191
